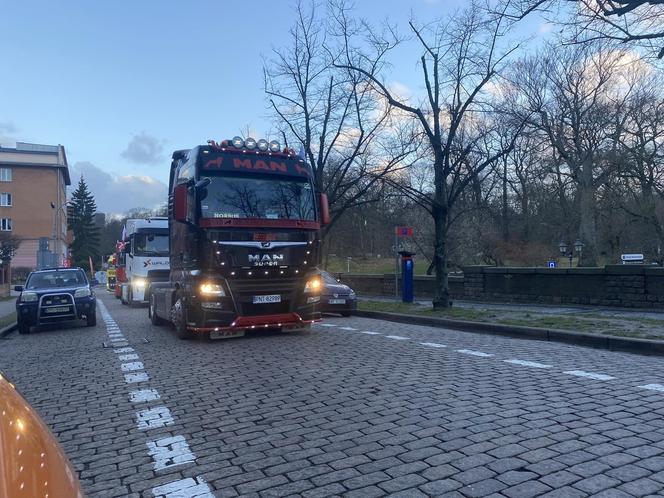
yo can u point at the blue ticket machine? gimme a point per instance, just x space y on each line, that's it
407 272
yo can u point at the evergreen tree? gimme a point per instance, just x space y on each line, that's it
82 222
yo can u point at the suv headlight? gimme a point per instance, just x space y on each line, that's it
351 294
208 289
29 297
314 284
82 292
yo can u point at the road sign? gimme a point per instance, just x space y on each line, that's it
404 231
631 258
552 264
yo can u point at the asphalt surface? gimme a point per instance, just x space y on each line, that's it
355 407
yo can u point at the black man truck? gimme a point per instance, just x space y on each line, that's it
244 223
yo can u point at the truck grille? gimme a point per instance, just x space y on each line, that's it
244 290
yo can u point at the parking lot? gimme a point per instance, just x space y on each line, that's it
355 407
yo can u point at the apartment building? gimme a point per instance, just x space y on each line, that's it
33 183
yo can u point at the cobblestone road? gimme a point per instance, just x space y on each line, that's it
356 407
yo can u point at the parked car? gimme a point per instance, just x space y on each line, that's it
33 464
336 297
55 295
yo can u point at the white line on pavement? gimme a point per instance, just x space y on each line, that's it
143 395
589 375
433 344
525 363
654 387
152 418
397 337
128 357
124 350
327 325
169 452
474 353
368 332
132 378
347 328
184 488
132 366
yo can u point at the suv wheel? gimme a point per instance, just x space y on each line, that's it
91 319
23 328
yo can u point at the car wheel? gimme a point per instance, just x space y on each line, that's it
91 319
23 328
179 319
154 319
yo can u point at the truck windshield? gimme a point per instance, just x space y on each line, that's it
150 244
243 197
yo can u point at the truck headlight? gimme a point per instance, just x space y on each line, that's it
83 292
139 282
313 285
208 289
29 297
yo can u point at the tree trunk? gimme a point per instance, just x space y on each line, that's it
587 227
442 295
506 229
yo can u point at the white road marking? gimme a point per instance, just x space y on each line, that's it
143 395
474 353
128 357
525 363
170 452
397 337
327 325
654 387
132 366
589 375
153 418
368 332
132 378
433 344
117 339
124 350
347 328
184 488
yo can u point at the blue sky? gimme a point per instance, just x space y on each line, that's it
122 84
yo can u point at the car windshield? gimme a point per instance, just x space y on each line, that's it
56 278
242 197
150 244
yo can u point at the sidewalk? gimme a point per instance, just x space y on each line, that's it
7 314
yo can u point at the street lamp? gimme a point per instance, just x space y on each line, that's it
576 248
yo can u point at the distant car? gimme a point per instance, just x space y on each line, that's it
55 295
33 463
336 297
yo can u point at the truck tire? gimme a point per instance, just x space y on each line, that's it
130 298
152 314
23 328
179 319
122 299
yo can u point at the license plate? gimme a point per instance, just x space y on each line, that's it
272 298
226 334
337 301
60 309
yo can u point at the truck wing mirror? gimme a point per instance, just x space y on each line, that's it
180 203
324 209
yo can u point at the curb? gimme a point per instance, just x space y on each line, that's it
610 342
8 329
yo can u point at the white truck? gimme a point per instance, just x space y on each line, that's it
146 255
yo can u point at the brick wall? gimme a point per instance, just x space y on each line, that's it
633 286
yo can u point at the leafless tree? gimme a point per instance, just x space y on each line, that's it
637 22
459 57
573 95
331 115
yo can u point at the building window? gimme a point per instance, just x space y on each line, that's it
6 224
5 199
5 174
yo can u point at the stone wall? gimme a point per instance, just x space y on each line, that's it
635 286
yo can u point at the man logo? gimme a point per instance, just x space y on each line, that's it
265 245
266 259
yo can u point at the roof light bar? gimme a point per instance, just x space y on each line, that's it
262 145
250 143
275 146
238 142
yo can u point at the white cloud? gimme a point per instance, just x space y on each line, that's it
118 194
8 133
144 149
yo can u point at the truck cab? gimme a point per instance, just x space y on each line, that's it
244 223
145 250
